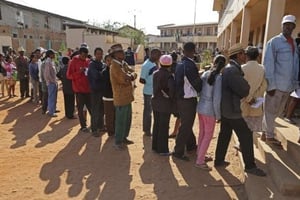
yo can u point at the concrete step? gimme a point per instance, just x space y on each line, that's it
261 187
282 169
288 134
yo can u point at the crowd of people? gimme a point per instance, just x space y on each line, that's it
237 91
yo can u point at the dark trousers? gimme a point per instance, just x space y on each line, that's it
69 102
40 92
81 100
109 111
160 132
44 101
97 111
244 135
147 113
24 87
186 137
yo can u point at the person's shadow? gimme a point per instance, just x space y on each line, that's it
27 117
157 170
73 162
104 171
59 129
201 182
109 176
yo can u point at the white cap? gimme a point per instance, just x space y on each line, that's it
289 18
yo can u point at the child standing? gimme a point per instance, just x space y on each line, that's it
208 108
11 75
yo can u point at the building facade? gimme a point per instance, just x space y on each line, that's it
173 37
29 27
77 33
252 21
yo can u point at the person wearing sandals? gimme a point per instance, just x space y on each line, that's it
234 88
163 92
281 64
122 81
208 108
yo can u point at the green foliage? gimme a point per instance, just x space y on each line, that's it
112 26
138 36
206 58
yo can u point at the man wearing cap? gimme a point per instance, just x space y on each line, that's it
122 77
281 64
77 72
146 77
50 78
234 88
22 64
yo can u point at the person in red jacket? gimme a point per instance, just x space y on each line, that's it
77 72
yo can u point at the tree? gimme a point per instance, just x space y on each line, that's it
137 35
112 26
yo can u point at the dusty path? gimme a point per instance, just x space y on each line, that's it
47 158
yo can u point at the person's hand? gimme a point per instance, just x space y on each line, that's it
271 92
82 69
128 78
252 101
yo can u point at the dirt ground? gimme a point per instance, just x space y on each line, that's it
48 158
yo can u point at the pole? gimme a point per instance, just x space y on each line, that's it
194 28
134 20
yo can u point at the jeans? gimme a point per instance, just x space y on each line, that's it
244 135
147 118
35 87
52 97
123 122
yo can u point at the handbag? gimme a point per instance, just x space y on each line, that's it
189 91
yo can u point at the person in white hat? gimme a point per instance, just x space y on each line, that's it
281 71
163 95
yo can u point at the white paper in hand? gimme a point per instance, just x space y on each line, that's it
258 102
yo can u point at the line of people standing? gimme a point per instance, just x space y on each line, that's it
233 94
